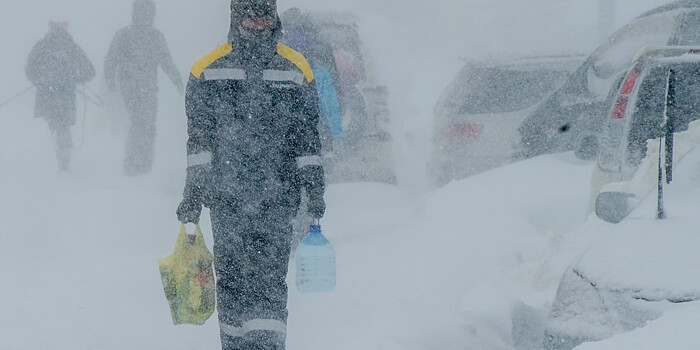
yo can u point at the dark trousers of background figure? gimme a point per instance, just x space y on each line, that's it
251 261
62 140
355 112
142 108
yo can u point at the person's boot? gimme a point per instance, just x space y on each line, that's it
135 170
63 157
63 144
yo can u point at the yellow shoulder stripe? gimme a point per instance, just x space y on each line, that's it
298 59
204 62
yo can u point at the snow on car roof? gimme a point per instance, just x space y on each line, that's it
684 4
553 62
669 54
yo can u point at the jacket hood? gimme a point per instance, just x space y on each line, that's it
244 9
58 37
293 20
144 12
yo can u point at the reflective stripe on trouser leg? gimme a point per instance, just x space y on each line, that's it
251 261
201 158
269 325
309 160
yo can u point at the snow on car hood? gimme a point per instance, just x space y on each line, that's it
655 259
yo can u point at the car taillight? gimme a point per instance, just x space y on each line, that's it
623 97
620 107
464 130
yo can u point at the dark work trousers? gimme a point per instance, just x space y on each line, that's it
63 142
142 107
251 261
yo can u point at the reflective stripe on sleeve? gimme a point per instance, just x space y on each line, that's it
283 75
270 325
202 158
309 160
224 74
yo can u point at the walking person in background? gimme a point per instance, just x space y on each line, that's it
56 66
301 35
253 147
131 66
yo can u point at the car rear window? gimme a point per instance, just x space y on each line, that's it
648 114
648 118
479 90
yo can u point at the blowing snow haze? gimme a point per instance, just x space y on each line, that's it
416 45
78 249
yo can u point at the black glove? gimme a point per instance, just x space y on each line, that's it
189 210
316 207
313 181
197 185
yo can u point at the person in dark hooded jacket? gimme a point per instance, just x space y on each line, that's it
132 64
253 146
56 65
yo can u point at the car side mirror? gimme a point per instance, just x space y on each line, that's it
613 207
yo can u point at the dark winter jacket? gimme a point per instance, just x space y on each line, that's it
252 122
135 54
56 65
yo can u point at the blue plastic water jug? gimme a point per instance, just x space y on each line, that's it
315 262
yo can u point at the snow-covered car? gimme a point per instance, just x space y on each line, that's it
365 150
637 271
572 117
658 97
632 275
646 264
476 118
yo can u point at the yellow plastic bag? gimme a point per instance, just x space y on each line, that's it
188 279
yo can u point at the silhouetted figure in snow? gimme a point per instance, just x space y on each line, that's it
301 35
56 65
253 147
132 63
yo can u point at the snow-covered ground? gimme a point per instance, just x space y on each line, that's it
418 268
437 271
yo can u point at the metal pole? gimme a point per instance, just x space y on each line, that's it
670 124
660 212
